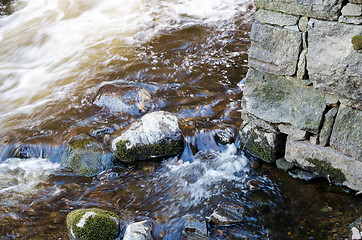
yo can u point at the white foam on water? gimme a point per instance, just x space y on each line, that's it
20 177
201 179
50 47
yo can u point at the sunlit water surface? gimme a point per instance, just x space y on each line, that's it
192 55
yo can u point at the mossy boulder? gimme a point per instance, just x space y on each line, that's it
155 135
93 224
86 156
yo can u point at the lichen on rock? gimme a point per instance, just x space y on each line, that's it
93 224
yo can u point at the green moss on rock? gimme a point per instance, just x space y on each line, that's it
86 156
262 151
326 170
164 148
97 225
357 42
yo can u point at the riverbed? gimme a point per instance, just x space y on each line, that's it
192 56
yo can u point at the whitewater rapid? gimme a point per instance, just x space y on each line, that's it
50 50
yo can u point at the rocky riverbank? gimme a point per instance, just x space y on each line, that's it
302 100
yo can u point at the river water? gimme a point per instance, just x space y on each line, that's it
192 55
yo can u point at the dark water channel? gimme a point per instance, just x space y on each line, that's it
195 68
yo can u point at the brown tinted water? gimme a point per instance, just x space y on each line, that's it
195 69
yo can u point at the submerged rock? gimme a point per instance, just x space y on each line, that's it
223 135
155 135
139 231
284 164
227 215
93 224
124 99
194 229
304 175
86 156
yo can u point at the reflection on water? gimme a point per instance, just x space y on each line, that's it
192 56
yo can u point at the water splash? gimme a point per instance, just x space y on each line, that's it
187 185
20 178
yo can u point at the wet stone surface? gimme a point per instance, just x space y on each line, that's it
193 70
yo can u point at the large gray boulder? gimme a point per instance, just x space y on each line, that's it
274 49
326 9
332 63
132 100
155 135
86 156
93 224
278 99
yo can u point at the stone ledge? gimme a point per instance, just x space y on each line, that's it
326 162
276 18
326 9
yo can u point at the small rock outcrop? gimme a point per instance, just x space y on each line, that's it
132 100
155 135
93 224
139 231
86 156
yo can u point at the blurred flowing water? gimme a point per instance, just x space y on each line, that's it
192 55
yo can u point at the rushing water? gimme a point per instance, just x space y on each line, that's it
192 55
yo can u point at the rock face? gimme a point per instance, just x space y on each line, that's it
124 99
274 49
303 92
279 99
155 135
93 224
333 65
86 156
139 231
